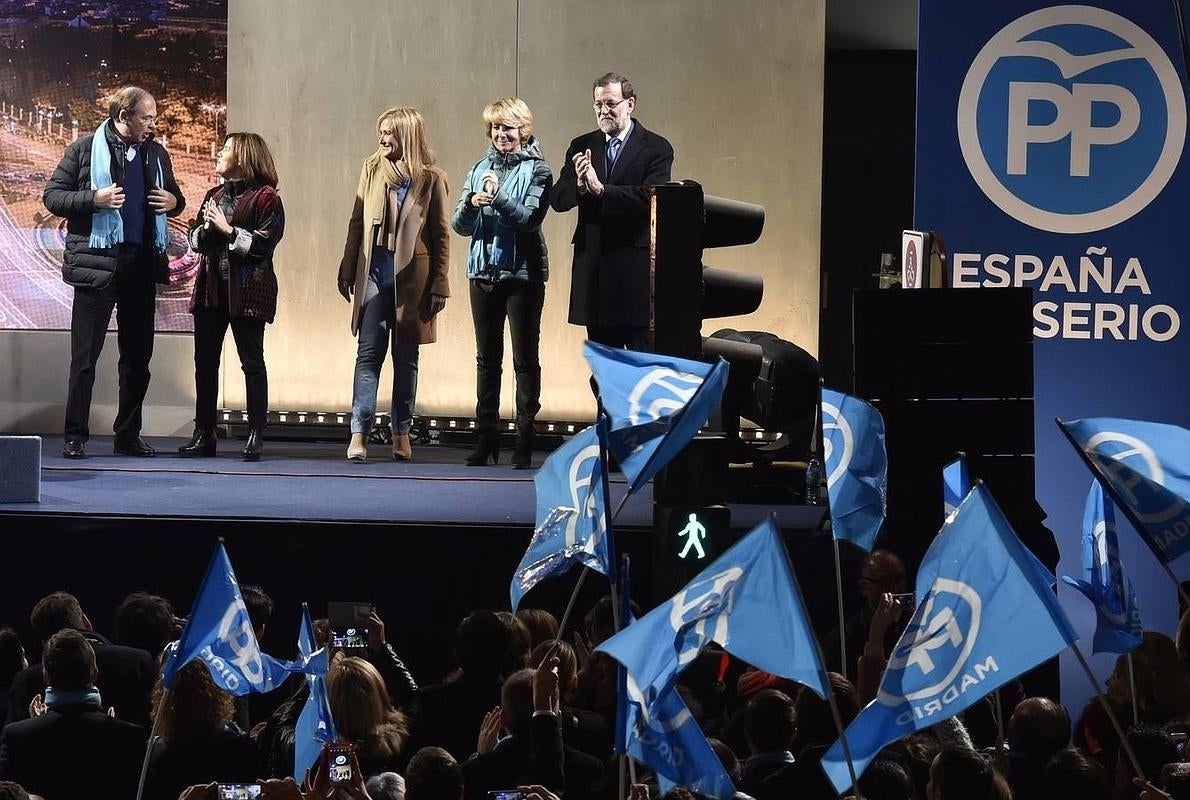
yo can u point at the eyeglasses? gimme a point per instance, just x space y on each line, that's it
608 104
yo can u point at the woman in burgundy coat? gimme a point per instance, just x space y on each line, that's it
240 223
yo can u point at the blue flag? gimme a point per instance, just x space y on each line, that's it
985 616
572 525
221 634
856 465
731 602
956 483
315 725
1146 468
1104 582
665 736
656 405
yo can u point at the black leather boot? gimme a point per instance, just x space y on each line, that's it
254 446
522 451
202 443
487 447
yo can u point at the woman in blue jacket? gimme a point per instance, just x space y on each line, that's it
504 199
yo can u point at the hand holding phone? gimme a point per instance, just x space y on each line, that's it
340 761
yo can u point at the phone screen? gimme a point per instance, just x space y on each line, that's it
339 764
348 623
505 794
349 637
239 791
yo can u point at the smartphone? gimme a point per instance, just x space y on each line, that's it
907 601
338 761
348 623
239 791
506 794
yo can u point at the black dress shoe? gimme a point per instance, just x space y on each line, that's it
202 443
254 446
133 446
73 448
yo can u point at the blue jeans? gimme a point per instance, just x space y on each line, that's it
377 327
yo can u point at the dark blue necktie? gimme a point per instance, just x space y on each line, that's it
613 150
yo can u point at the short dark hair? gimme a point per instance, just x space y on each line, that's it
608 79
55 612
1073 775
960 773
1038 728
125 99
433 774
482 641
145 621
68 661
258 603
516 702
885 779
1153 747
12 791
770 721
815 721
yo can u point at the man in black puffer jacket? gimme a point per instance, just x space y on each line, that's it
114 194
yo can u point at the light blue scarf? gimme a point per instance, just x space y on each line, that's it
71 697
107 226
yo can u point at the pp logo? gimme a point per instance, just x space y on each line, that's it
910 263
838 442
235 630
582 492
661 391
702 612
937 649
1127 461
1071 119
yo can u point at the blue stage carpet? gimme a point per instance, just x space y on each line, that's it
314 482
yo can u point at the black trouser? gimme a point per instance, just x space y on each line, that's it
632 337
133 294
210 327
521 302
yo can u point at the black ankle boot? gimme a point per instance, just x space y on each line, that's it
522 451
202 443
487 447
254 446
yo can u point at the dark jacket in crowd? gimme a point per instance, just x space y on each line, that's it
69 194
126 676
227 756
73 752
539 759
448 714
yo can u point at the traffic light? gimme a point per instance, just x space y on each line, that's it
683 291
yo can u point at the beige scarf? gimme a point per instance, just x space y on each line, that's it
384 176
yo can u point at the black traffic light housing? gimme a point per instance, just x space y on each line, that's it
684 292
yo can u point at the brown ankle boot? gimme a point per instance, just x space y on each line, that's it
402 451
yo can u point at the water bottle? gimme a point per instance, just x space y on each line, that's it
813 480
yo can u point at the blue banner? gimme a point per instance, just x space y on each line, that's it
984 617
221 634
1104 582
1051 143
730 602
315 725
655 404
572 524
856 465
956 482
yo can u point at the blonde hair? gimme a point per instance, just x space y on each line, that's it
410 130
362 710
511 111
254 159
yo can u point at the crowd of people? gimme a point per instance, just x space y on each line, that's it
529 709
115 188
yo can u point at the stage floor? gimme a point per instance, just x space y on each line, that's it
312 481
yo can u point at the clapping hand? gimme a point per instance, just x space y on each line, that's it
215 217
489 731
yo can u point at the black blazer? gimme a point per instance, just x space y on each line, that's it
540 758
610 282
126 676
76 752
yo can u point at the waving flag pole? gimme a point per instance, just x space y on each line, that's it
1111 715
1122 504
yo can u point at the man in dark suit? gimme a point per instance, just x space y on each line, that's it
74 751
127 673
606 174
